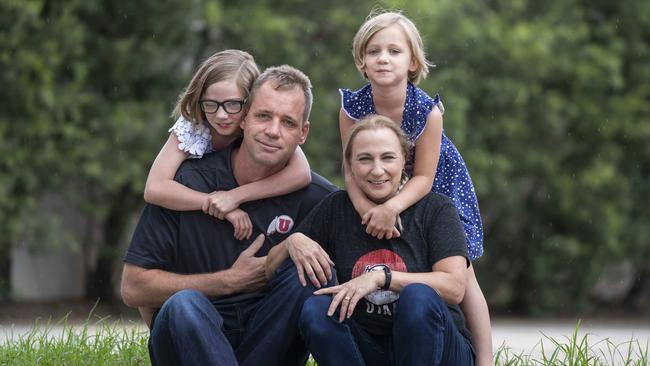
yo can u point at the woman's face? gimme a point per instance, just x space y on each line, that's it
223 123
376 163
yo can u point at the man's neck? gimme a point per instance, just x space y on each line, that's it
247 171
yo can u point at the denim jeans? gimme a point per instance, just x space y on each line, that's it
423 334
191 330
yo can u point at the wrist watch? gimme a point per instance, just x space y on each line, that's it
389 276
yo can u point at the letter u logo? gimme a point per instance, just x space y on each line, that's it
285 224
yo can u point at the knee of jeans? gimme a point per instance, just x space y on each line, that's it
419 300
314 313
185 307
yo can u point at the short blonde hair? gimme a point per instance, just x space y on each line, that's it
382 20
224 65
373 122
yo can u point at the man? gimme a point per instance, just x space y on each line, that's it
215 303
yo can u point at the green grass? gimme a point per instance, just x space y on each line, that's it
101 342
105 342
578 350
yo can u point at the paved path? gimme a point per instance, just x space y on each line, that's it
521 336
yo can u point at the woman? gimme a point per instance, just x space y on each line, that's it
398 298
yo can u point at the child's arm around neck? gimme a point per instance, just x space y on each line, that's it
427 153
294 176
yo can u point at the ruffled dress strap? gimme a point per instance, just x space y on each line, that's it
194 141
417 107
357 104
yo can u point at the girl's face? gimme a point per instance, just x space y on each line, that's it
388 57
376 163
224 96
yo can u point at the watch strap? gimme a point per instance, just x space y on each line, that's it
389 277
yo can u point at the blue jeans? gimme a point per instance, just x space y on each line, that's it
424 333
191 330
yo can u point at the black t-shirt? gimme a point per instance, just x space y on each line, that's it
431 231
193 242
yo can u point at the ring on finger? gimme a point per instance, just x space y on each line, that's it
346 298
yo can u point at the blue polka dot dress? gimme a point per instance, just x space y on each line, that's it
452 178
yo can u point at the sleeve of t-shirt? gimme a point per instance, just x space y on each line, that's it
445 235
154 241
317 222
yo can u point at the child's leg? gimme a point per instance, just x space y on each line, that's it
477 314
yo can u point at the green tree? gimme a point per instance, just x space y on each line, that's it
547 102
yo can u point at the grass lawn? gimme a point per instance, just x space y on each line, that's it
105 342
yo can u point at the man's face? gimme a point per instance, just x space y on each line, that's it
273 126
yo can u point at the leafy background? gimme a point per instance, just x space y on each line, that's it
547 101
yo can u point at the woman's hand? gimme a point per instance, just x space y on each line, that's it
310 259
347 295
380 222
241 222
219 203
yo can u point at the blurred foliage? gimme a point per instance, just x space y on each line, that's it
547 102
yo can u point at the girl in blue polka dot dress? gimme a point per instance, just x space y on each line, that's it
388 51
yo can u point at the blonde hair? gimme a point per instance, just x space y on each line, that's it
378 21
224 65
376 122
285 77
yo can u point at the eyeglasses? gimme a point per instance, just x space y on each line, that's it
230 106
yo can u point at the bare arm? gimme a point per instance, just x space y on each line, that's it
427 152
150 288
448 279
477 314
161 189
294 176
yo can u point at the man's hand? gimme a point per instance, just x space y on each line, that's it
248 271
311 259
219 203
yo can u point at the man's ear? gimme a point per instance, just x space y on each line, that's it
304 132
243 120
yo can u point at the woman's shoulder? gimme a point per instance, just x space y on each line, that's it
338 197
357 103
194 140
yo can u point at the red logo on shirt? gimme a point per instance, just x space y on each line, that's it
281 224
376 261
